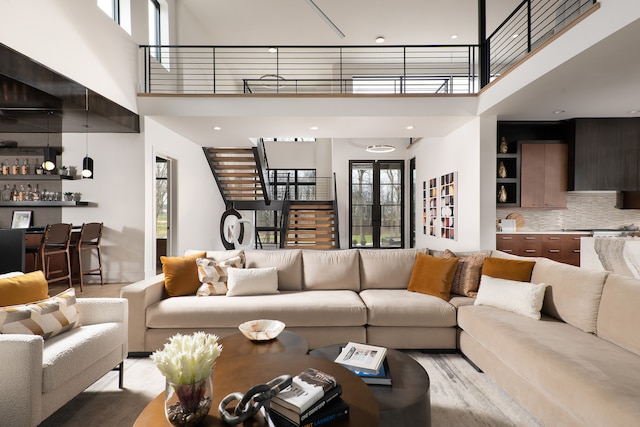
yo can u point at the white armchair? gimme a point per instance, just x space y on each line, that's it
38 377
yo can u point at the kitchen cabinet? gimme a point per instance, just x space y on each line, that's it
561 247
543 181
605 154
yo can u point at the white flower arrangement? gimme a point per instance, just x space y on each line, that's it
188 359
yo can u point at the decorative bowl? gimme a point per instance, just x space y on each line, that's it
261 329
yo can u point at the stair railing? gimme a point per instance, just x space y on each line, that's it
284 215
336 224
262 166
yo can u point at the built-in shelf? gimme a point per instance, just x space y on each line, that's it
42 204
32 177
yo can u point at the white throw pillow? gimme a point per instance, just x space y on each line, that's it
252 281
518 297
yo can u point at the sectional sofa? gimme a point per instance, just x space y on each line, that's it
579 364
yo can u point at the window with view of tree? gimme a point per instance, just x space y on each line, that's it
376 200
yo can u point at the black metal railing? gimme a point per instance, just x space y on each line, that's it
424 69
532 23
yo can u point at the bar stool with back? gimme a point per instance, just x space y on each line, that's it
90 236
55 241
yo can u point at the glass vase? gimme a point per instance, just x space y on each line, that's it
187 404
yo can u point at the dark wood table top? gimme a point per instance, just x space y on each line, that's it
285 342
238 374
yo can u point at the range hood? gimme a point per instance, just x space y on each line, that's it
628 200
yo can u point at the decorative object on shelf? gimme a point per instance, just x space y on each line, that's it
502 170
62 170
502 194
504 147
261 329
22 219
250 403
434 230
187 363
68 196
448 205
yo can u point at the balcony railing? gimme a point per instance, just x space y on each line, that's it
427 69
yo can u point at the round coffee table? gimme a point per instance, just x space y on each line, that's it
285 342
407 402
240 373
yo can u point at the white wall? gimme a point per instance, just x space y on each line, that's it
116 197
459 152
198 203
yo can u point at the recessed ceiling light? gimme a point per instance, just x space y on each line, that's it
216 128
273 50
558 111
454 36
314 128
382 148
379 39
409 127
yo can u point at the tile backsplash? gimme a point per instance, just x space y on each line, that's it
584 210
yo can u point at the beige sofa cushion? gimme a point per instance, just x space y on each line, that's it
295 309
337 269
619 314
288 262
399 307
387 269
573 294
214 255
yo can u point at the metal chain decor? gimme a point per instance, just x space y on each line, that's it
250 403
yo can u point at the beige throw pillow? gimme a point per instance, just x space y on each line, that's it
213 274
252 281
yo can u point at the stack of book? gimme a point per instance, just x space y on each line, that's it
369 362
313 399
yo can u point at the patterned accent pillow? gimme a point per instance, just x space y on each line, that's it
48 318
468 273
213 274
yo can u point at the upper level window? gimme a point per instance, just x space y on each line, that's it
155 33
111 8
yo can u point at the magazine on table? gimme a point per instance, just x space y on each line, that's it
382 377
362 357
299 418
307 388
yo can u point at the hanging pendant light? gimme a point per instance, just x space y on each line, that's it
87 162
49 162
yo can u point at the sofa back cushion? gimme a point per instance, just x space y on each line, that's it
386 268
618 316
331 269
288 263
214 255
573 294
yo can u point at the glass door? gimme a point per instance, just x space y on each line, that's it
376 204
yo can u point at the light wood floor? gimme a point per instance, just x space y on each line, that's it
92 290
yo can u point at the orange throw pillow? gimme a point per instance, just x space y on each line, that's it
23 289
181 274
508 269
433 276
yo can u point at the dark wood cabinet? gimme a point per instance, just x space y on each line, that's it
561 247
543 182
605 154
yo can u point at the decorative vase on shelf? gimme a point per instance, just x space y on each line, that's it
502 194
502 170
186 405
504 147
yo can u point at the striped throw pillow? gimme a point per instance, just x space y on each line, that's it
48 318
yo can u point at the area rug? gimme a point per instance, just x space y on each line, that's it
460 396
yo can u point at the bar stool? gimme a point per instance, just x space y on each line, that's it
90 236
56 240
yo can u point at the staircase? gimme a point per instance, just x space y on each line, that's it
238 174
310 225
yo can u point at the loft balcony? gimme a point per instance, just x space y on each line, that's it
359 70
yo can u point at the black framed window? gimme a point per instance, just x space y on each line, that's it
302 183
155 31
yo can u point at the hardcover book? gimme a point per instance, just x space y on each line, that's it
382 377
336 410
306 388
297 418
362 357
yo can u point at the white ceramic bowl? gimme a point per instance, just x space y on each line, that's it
261 329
